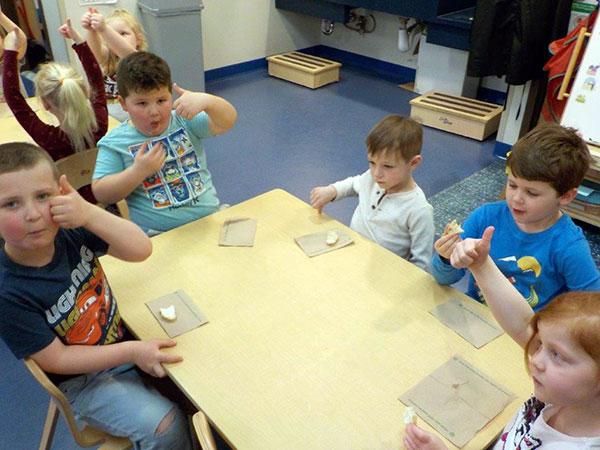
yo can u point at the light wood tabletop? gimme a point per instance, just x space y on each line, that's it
299 352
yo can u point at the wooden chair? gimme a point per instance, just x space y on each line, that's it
79 168
86 437
203 432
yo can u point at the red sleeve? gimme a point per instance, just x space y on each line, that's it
96 80
49 137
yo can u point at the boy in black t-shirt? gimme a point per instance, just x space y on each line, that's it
56 305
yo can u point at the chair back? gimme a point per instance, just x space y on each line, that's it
87 436
78 167
203 433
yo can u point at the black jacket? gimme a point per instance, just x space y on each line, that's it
511 37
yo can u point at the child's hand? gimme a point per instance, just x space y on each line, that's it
190 103
149 161
472 253
149 357
97 22
321 195
446 243
69 209
86 19
67 31
416 438
15 40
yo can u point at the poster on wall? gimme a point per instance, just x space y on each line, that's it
583 104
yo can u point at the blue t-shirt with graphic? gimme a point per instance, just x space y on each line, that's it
68 298
540 265
182 191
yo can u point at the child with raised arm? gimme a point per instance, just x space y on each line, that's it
57 307
392 209
6 26
562 353
156 160
537 247
113 38
80 110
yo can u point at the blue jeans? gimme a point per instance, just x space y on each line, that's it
117 401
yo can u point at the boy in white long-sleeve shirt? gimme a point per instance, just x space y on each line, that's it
392 209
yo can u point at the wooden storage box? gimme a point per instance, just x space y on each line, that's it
460 115
307 70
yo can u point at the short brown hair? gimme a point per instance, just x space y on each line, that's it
553 154
397 135
15 156
579 312
142 72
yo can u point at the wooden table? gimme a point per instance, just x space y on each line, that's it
12 131
303 353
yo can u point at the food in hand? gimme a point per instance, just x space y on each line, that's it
453 228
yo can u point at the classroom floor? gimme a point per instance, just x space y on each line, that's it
286 137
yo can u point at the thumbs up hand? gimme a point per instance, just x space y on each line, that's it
471 253
69 209
190 103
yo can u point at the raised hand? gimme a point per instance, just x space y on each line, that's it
416 438
69 209
321 195
190 103
15 40
149 161
149 357
472 253
67 31
97 22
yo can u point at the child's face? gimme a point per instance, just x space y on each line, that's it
534 205
125 31
392 173
150 112
26 223
563 373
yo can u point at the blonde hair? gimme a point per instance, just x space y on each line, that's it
579 312
67 91
109 66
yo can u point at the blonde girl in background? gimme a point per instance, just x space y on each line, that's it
562 354
61 90
113 38
7 25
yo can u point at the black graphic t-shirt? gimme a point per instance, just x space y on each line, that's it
69 298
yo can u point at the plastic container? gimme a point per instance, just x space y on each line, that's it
174 31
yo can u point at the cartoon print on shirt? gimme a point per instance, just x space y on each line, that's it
523 273
181 143
196 182
179 181
86 314
171 170
519 433
159 197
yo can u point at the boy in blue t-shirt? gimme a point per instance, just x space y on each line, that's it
57 308
536 246
156 160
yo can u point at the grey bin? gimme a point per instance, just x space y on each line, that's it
174 32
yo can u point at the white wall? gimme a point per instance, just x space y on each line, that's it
235 31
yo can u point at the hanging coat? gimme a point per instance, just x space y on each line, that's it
511 37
